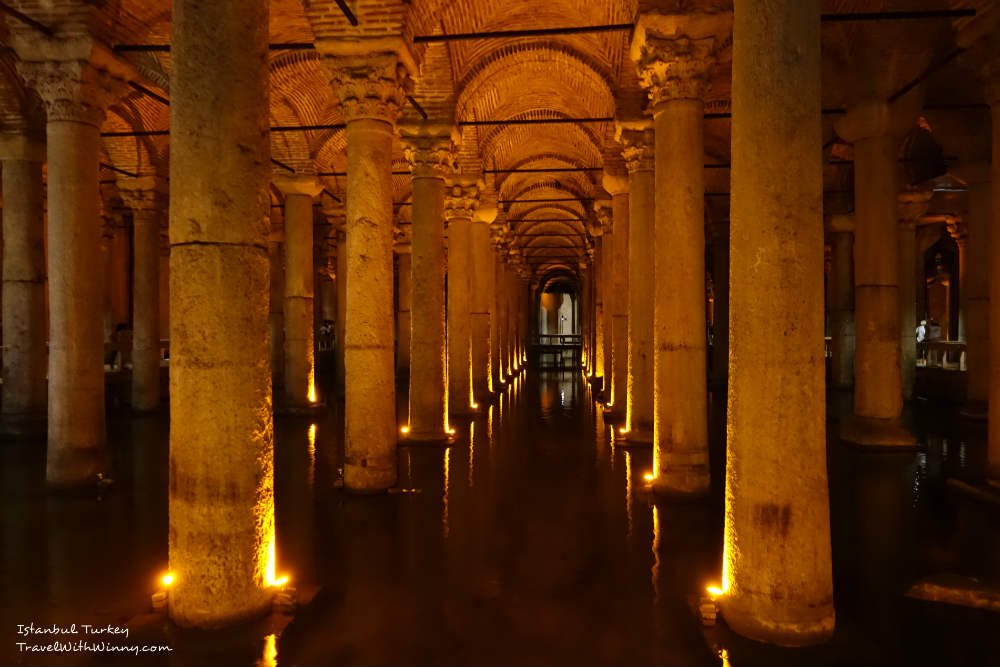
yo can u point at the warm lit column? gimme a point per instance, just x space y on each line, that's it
276 315
461 201
24 333
977 303
993 454
480 300
777 564
299 387
147 198
404 301
597 280
497 307
340 225
431 156
370 90
607 257
720 316
959 231
638 154
912 205
76 93
674 68
617 185
878 391
221 432
841 230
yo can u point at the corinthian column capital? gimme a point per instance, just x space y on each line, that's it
461 199
638 147
145 193
370 86
675 67
430 149
73 90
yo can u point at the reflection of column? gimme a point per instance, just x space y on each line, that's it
145 196
299 390
720 318
878 392
370 90
958 230
617 185
912 205
675 71
76 93
24 334
404 300
994 307
977 301
777 564
638 154
221 442
431 157
461 201
842 300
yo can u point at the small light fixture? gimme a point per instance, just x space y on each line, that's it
715 592
167 579
404 429
649 477
279 582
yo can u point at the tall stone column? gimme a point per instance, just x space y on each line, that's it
222 534
720 283
24 331
276 314
481 290
777 578
597 311
147 198
497 308
404 305
977 301
371 92
912 205
299 387
76 93
340 225
638 153
617 186
959 231
993 451
841 230
117 277
605 220
674 67
460 203
430 153
878 391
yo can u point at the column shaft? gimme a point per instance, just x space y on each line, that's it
607 313
300 384
619 326
146 310
777 562
460 398
978 300
907 235
720 318
680 441
221 433
341 326
481 293
993 452
403 311
276 316
597 279
497 374
24 331
842 309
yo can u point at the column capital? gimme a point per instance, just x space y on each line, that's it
298 184
674 68
77 78
461 198
604 214
430 149
841 223
402 237
615 181
957 228
145 193
638 145
370 86
913 204
17 146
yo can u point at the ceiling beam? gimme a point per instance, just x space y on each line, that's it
536 32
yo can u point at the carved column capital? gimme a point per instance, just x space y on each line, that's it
145 193
675 67
430 150
638 148
402 237
298 184
461 199
604 215
73 90
371 86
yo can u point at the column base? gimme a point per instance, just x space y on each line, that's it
23 425
428 438
691 483
974 411
743 619
369 479
639 437
869 432
74 468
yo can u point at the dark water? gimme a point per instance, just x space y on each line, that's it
528 541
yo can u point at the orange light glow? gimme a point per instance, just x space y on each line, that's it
312 386
623 430
167 580
649 477
280 581
269 658
474 405
715 592
404 429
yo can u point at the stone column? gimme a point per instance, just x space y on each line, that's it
674 67
777 578
340 225
481 290
638 153
993 452
146 197
841 230
597 311
617 185
76 93
461 201
371 92
720 283
606 219
429 151
959 231
222 534
977 300
404 298
276 316
299 387
878 391
912 205
118 278
497 307
24 331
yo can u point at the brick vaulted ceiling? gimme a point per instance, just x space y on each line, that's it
584 75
